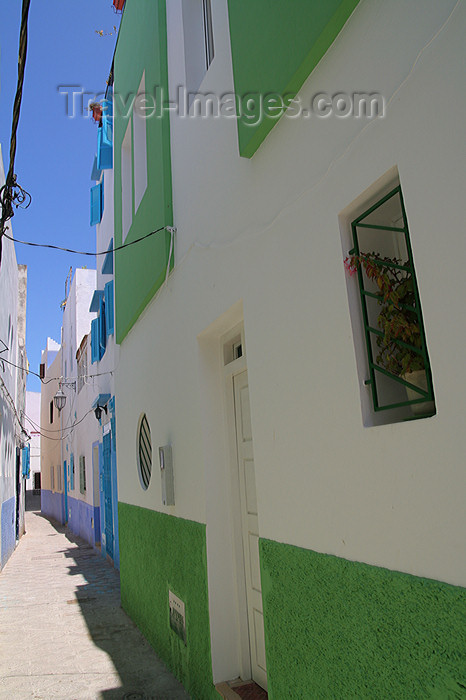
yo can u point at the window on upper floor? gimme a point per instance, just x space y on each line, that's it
198 43
51 412
52 479
81 357
97 203
127 181
140 144
104 325
388 327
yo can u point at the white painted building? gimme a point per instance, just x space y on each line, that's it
32 423
13 367
70 476
52 472
296 505
104 350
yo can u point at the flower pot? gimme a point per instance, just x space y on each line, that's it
418 378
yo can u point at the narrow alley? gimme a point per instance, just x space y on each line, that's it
63 633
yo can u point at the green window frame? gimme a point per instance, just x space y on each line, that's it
398 362
82 474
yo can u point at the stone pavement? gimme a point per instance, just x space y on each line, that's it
63 633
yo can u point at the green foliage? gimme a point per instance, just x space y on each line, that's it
397 319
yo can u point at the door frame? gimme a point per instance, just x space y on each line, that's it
231 369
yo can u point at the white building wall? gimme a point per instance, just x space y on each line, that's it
260 241
12 387
79 423
261 238
50 441
32 424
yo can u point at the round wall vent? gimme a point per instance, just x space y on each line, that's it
144 452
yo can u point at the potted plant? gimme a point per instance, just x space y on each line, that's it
96 109
397 320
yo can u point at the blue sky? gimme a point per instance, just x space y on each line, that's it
55 152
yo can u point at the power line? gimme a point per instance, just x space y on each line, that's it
11 193
57 379
70 428
82 252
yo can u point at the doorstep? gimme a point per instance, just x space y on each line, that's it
249 690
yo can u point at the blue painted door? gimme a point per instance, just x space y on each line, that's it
65 492
108 493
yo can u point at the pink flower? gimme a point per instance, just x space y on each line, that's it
350 267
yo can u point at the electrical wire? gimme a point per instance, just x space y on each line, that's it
10 400
57 379
83 252
11 193
70 428
29 371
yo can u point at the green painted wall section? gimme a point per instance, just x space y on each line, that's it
159 552
341 629
275 46
140 269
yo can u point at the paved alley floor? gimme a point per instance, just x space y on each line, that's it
63 633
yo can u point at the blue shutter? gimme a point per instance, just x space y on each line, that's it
104 149
107 131
25 461
102 329
95 340
72 472
96 204
109 314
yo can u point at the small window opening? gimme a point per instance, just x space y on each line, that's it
208 32
237 350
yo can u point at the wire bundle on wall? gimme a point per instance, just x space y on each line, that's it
12 194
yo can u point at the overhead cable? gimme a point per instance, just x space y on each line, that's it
12 194
82 252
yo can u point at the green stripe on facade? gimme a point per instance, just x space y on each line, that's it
341 629
275 47
140 270
158 553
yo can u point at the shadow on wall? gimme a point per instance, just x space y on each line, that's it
142 673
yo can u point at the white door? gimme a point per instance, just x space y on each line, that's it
250 528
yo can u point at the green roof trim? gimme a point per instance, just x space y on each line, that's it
275 47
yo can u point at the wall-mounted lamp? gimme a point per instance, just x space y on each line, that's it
59 400
98 411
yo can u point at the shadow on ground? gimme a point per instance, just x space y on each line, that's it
142 673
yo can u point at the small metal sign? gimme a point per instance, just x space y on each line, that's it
177 616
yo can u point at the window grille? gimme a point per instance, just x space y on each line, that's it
398 361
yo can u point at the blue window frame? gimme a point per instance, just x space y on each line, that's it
95 345
105 143
102 329
97 203
72 472
109 308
